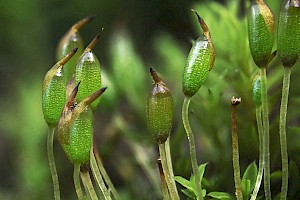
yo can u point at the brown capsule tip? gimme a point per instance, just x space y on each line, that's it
154 75
82 23
67 57
202 24
95 95
236 101
93 43
75 91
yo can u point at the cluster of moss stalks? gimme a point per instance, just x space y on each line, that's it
72 86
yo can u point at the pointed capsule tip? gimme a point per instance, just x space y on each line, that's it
154 75
74 50
91 17
77 86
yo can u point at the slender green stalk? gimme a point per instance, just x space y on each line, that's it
190 136
164 185
87 182
98 177
51 161
282 132
105 175
261 161
77 181
235 151
265 119
169 179
169 162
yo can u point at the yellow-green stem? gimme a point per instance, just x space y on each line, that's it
282 132
190 136
87 182
265 119
105 175
164 185
77 181
235 155
51 161
169 161
260 162
169 179
98 177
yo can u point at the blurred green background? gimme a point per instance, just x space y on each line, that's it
137 35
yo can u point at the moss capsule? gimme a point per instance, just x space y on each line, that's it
69 41
80 136
159 110
88 73
75 127
54 91
288 33
199 62
256 91
260 32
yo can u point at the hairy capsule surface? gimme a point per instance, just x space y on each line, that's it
54 91
288 33
75 127
261 32
88 73
159 110
199 62
80 138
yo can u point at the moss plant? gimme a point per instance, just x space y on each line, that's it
53 99
289 51
261 35
235 149
199 62
256 95
160 118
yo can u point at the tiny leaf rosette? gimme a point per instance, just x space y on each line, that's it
75 127
199 62
260 32
54 91
288 33
88 73
159 109
70 40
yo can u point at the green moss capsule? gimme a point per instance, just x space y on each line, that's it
256 91
69 41
288 34
260 32
159 109
199 62
88 73
78 149
54 91
75 127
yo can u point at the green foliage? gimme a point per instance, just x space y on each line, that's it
190 185
248 180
